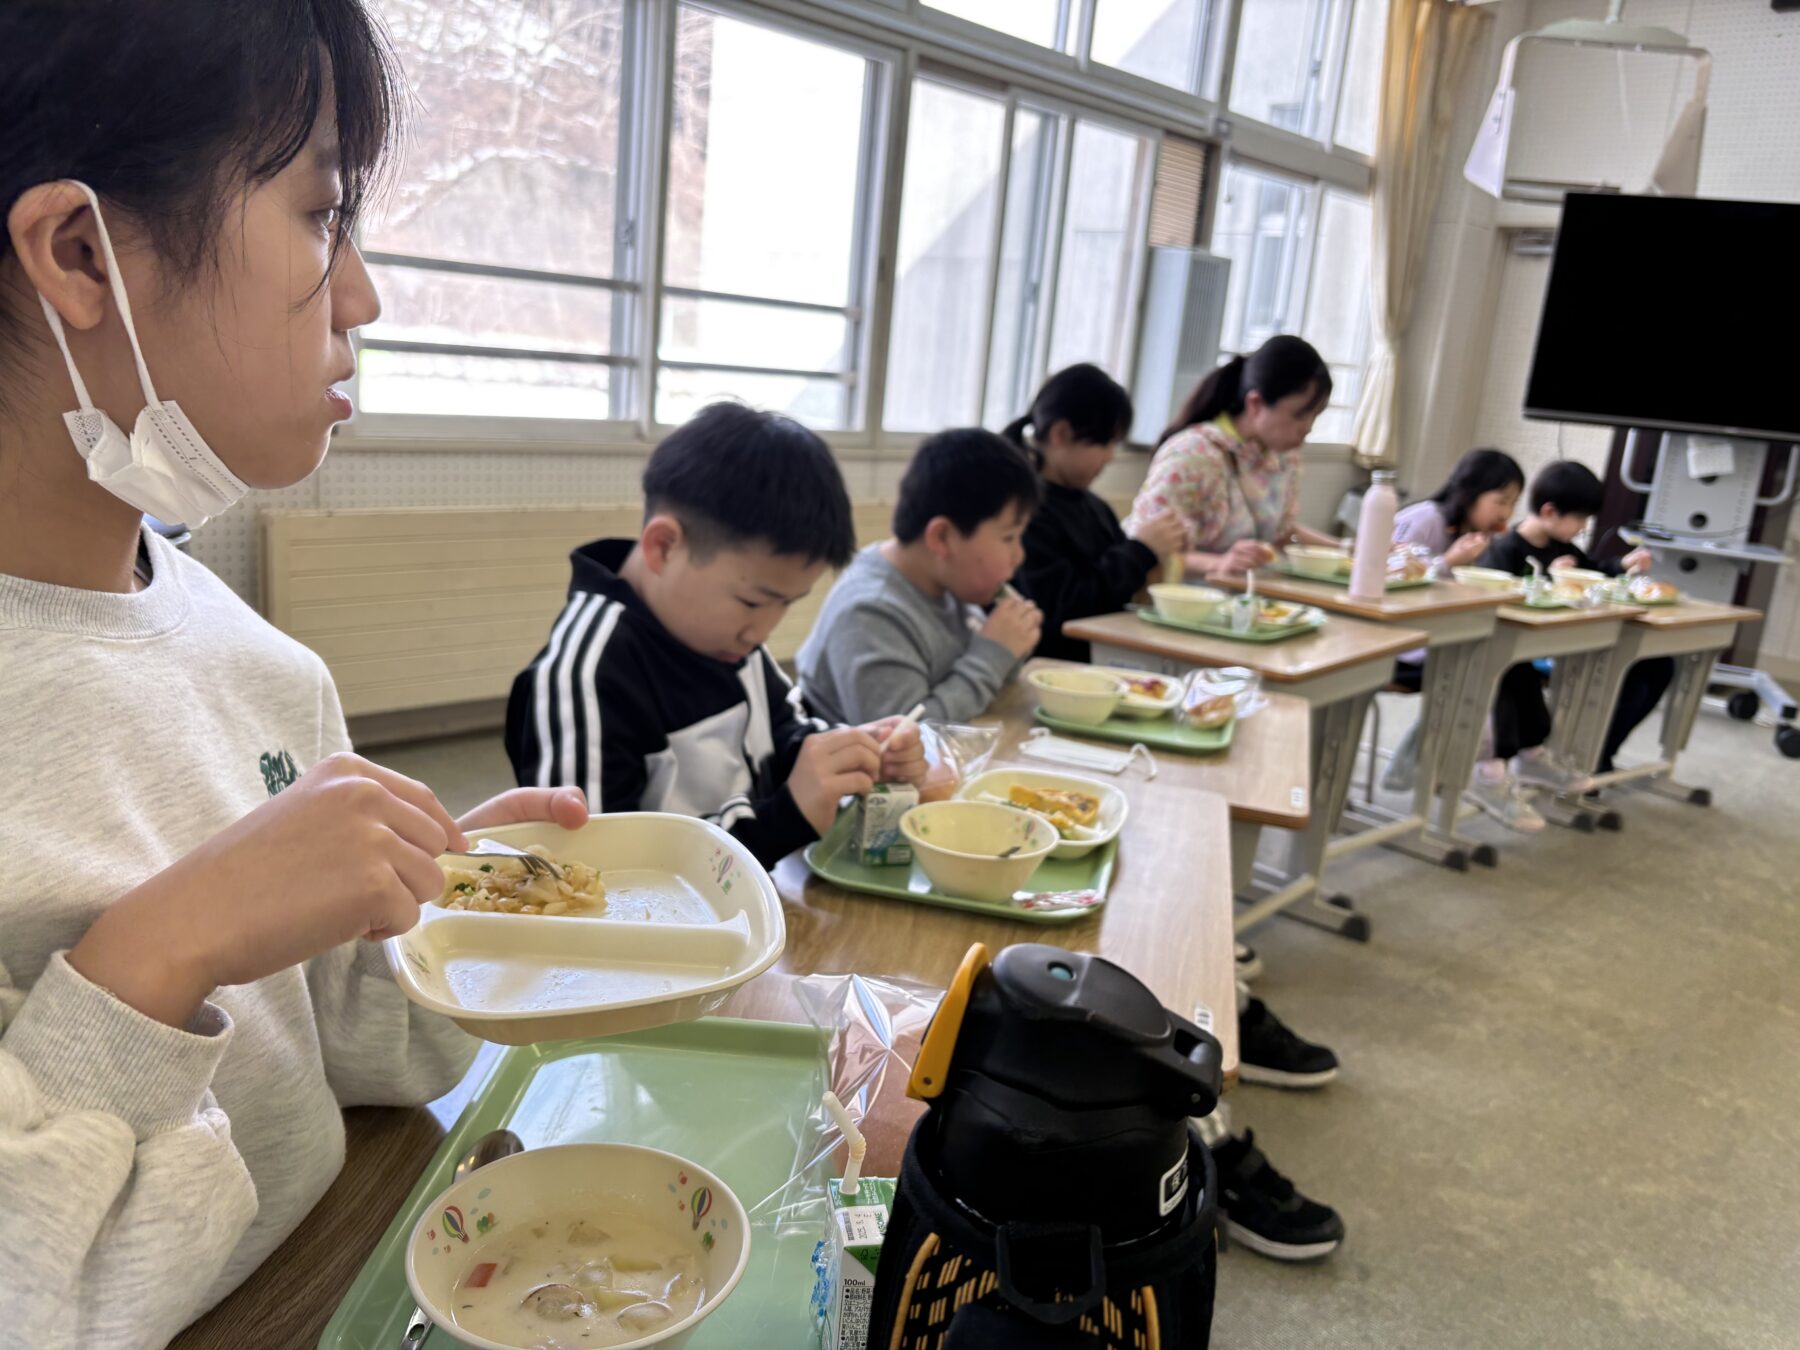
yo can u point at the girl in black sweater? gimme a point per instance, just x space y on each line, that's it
1078 561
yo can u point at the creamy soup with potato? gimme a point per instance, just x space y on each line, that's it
575 1283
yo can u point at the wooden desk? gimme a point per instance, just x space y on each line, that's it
1414 605
1264 775
1457 620
1167 919
1337 671
1693 633
1318 667
1581 641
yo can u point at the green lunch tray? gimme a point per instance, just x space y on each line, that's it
1277 633
735 1096
1159 733
1335 580
832 859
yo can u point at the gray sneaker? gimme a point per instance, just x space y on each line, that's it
1507 803
1549 770
1403 765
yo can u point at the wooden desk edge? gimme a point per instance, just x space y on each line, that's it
1392 643
1539 618
1337 599
1695 614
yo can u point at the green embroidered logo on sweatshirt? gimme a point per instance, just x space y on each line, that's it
278 771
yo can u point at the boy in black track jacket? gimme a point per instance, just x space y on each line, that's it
654 691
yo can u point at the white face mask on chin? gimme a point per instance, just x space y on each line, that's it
165 469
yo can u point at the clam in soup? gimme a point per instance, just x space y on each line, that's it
574 1283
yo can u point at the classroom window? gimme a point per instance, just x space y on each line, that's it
1071 248
1300 264
1337 319
763 253
1102 237
1278 76
1360 103
1018 287
1161 40
523 312
556 142
1047 23
1259 226
948 208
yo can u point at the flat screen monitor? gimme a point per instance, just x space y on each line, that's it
1677 313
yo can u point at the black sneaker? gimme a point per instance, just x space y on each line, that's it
1270 1054
1261 1209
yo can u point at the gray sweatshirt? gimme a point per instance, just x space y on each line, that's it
147 1169
881 646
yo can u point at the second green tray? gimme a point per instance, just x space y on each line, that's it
1280 633
1343 581
832 859
1159 733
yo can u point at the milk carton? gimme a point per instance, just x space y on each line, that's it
844 1295
877 840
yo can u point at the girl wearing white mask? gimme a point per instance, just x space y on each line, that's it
188 993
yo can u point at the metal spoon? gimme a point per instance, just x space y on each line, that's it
491 1147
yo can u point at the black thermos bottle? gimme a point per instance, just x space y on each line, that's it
1055 1194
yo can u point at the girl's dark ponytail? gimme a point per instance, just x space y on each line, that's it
1219 392
1093 403
1014 431
1282 366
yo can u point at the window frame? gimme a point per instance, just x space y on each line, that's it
1045 227
861 312
903 40
1298 287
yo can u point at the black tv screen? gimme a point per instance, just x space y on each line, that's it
1678 313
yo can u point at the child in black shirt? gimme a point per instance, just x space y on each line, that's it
1078 560
1564 497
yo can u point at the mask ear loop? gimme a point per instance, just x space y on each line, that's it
62 342
117 283
1141 751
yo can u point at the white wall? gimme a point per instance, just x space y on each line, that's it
389 479
1569 122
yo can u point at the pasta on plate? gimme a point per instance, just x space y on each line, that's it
503 886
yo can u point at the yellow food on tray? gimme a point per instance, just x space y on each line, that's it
1149 686
503 886
1644 588
1065 808
1278 611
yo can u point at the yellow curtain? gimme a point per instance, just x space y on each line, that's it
1428 48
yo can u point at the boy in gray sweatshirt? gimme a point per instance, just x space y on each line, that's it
904 625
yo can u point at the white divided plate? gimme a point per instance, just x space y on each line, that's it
690 915
1142 705
996 783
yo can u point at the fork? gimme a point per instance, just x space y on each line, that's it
493 848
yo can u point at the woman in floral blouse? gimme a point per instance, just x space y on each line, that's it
1229 468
